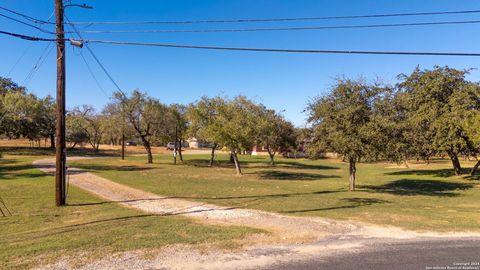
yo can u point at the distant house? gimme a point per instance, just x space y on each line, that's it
259 150
193 143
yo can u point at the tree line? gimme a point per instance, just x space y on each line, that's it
428 113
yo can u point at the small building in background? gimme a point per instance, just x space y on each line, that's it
193 143
259 150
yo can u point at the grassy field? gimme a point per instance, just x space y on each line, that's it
422 197
37 232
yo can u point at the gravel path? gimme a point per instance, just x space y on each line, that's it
292 238
285 227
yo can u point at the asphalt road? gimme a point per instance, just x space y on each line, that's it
411 255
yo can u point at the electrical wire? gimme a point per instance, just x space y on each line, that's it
286 19
92 74
95 57
46 52
26 50
27 24
30 38
256 20
281 50
243 49
278 28
457 12
32 19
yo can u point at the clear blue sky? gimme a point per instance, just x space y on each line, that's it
281 81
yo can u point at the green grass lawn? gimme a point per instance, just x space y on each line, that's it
423 197
38 232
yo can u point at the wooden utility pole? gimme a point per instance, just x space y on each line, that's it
60 150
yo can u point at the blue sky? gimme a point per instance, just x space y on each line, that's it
280 81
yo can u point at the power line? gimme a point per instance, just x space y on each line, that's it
38 63
280 50
243 49
278 28
88 66
286 19
93 75
27 24
32 19
26 49
30 38
95 57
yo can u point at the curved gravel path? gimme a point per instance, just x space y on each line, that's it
291 238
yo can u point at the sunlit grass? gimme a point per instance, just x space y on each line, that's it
38 232
422 197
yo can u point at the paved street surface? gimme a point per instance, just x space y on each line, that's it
411 255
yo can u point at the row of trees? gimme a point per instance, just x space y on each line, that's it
430 112
25 115
235 124
238 124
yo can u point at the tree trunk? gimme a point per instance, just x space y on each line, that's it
237 164
353 170
148 148
175 155
455 162
97 147
474 169
180 151
272 155
73 146
212 156
231 158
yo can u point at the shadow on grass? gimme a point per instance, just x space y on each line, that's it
99 167
10 169
280 195
21 175
473 177
31 151
411 187
292 176
436 173
352 203
254 164
29 236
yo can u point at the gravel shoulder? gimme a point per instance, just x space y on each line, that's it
291 238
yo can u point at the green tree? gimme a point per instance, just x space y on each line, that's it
237 124
91 123
75 132
274 132
341 122
204 119
46 119
179 126
437 102
113 124
7 85
146 115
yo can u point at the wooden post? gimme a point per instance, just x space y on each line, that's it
60 150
